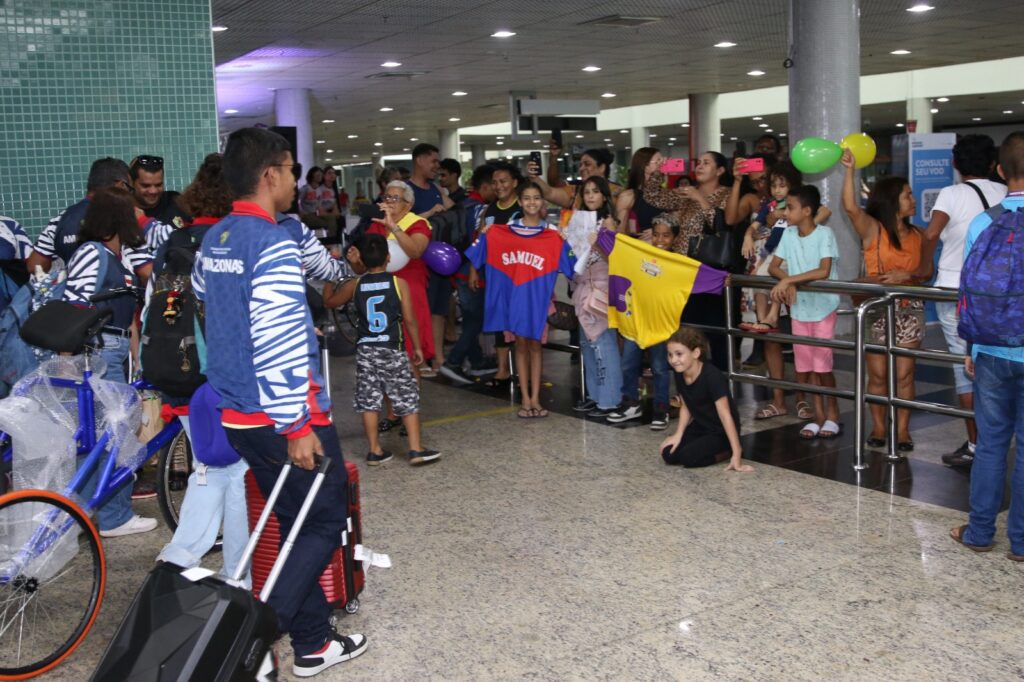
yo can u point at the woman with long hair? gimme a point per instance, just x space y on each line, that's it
645 163
892 255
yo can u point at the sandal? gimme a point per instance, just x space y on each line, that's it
905 446
829 430
385 424
498 383
540 412
876 443
810 431
769 411
758 327
525 413
803 410
958 535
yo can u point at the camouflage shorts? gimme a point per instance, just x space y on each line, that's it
384 371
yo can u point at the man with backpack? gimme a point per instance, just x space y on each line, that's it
992 324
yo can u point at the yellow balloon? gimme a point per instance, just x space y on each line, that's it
861 146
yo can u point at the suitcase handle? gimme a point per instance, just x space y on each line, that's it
325 464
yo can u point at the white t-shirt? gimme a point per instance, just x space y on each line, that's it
961 204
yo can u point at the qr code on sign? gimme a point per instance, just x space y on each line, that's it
928 199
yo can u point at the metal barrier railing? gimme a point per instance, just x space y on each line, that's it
879 295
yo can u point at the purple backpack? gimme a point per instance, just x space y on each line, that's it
991 303
209 441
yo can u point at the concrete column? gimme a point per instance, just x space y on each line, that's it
479 153
448 139
705 125
824 99
291 108
637 138
920 109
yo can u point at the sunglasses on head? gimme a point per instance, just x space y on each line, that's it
148 163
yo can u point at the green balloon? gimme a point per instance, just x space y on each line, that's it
815 154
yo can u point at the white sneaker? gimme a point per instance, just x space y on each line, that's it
339 648
136 524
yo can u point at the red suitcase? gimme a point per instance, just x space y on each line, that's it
343 579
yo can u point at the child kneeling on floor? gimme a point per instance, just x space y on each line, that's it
709 429
382 367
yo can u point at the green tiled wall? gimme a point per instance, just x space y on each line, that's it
83 79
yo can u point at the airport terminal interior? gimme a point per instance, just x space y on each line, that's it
551 541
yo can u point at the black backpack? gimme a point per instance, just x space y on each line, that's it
450 227
173 354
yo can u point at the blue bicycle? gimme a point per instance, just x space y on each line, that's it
52 568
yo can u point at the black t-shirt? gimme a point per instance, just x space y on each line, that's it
458 196
380 310
700 397
495 215
167 210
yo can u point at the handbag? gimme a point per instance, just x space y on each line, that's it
716 246
564 317
62 327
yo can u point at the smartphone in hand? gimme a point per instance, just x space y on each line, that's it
751 166
673 167
535 158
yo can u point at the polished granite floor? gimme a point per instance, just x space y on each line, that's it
561 549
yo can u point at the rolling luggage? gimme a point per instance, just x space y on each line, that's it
193 625
343 579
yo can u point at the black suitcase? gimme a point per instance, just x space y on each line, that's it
182 628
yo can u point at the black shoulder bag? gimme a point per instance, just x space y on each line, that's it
716 246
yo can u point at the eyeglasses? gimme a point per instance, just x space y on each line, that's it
148 163
393 198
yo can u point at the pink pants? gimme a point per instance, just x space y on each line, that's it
814 358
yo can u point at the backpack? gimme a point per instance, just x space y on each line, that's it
173 355
450 227
991 303
17 357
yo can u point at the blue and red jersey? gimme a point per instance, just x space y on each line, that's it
521 269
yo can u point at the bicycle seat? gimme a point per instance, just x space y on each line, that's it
61 327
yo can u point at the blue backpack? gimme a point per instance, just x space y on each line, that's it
991 303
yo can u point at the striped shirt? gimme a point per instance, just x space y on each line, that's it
138 257
84 270
14 243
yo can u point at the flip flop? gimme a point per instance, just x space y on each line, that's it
829 430
803 410
498 383
525 413
958 536
540 412
811 428
769 411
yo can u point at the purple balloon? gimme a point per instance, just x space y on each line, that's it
444 259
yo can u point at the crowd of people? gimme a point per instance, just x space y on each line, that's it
255 249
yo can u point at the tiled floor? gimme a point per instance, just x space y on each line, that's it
563 549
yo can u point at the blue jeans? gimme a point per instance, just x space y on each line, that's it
471 303
302 609
214 494
118 509
602 367
999 412
632 356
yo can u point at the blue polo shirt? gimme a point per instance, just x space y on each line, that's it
426 199
978 225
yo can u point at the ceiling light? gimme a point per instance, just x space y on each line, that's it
976 118
782 134
405 149
330 151
231 111
623 131
758 118
459 93
376 153
503 34
685 125
454 119
355 156
920 8
391 65
500 137
652 135
608 95
609 145
942 99
386 109
627 148
218 29
725 43
1008 111
755 72
320 141
579 137
499 142
934 111
769 130
899 125
327 159
352 137
762 125
733 138
591 68
399 128
671 139
536 141
328 120
378 144
414 139
900 52
607 139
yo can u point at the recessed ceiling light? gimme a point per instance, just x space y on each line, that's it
755 72
405 149
579 137
376 153
685 125
352 137
942 99
231 111
899 125
725 43
769 130
900 52
328 120
355 156
330 151
782 134
218 29
607 139
378 144
459 93
671 139
652 135
327 159
609 145
536 142
627 148
920 8
320 141
503 34
934 111
762 125
758 118
733 138
1008 111
454 119
608 95
976 118
624 130
399 129
499 142
414 139
391 65
386 109
500 137
591 68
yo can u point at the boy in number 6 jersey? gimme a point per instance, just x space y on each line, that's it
382 367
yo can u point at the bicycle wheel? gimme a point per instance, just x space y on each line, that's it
174 467
52 578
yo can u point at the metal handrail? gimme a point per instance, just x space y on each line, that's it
878 295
